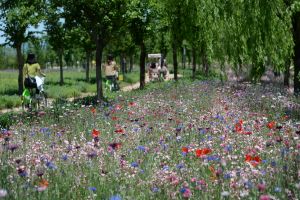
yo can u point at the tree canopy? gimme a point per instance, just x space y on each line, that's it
249 35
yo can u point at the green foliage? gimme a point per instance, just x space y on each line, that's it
140 17
17 16
10 101
6 121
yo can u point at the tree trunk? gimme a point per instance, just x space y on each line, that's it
296 33
142 65
183 57
61 82
175 62
194 62
131 63
286 81
99 51
20 67
87 68
205 64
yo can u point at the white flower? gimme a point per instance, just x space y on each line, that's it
225 194
244 193
3 193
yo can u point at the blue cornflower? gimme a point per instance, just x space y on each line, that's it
213 158
273 164
51 165
180 166
202 131
182 190
141 148
134 164
248 185
93 189
115 197
155 189
228 148
227 176
64 157
264 161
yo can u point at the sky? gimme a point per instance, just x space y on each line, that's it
39 28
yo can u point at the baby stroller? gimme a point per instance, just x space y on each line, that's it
34 96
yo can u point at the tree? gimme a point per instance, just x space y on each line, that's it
57 33
17 17
174 12
295 17
140 20
101 19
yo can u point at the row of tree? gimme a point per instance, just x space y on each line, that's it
244 33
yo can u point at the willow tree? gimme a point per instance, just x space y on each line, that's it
17 17
140 16
294 7
174 13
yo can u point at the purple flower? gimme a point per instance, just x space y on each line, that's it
92 154
13 147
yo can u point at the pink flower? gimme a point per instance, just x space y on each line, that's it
193 179
265 197
187 193
261 187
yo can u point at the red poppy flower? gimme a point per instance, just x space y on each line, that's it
114 118
239 126
202 152
44 183
93 110
253 160
247 132
271 125
121 131
132 103
185 150
95 133
115 145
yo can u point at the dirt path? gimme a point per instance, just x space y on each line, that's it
124 89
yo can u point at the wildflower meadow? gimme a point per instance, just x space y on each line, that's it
184 140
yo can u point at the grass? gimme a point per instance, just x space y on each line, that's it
74 85
144 144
